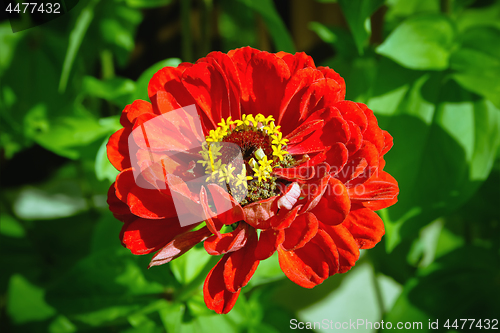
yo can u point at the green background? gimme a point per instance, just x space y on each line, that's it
429 69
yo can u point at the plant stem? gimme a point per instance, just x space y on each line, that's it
187 45
378 291
107 65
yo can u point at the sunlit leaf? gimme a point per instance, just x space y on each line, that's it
477 62
26 301
116 90
445 143
421 42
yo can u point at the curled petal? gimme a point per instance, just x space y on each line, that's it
179 245
334 205
365 226
284 218
290 197
311 264
300 232
347 247
241 265
269 240
373 133
228 242
213 224
258 214
215 293
116 206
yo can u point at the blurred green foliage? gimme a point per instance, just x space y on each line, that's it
429 69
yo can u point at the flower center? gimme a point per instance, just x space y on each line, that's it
262 147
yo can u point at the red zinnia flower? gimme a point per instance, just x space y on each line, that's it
313 162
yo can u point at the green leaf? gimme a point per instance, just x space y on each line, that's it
141 90
477 62
61 324
11 227
471 288
359 289
421 42
117 90
188 266
75 40
279 33
104 287
482 16
405 8
26 301
357 14
67 135
445 141
103 167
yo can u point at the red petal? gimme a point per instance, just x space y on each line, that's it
168 79
266 98
337 157
228 210
375 189
388 143
366 227
319 95
310 265
356 138
334 205
388 188
134 110
296 61
216 296
208 86
118 150
224 64
347 246
116 206
241 58
298 81
352 111
373 133
300 232
179 245
284 218
144 236
146 203
361 166
228 242
331 74
241 264
269 240
258 213
213 224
